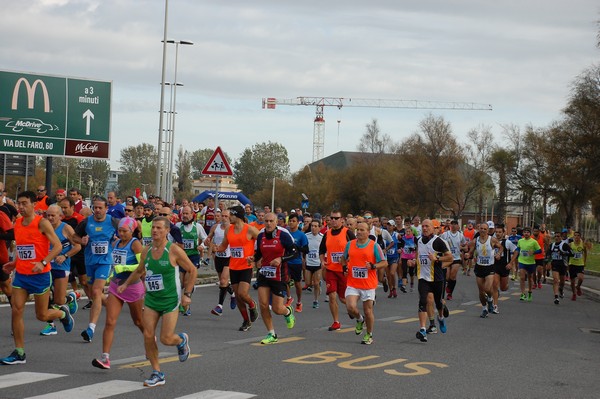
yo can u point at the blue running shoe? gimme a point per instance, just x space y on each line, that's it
87 334
233 302
73 305
156 378
490 305
422 335
14 358
67 321
484 313
443 327
183 349
49 330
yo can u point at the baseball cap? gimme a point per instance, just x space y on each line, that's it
392 222
317 216
281 216
490 224
149 205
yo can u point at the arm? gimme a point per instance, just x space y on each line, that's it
69 233
46 228
185 263
137 273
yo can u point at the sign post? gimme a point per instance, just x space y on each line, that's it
219 166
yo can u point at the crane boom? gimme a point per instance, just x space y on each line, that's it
340 102
321 102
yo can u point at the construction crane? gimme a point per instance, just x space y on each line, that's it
321 102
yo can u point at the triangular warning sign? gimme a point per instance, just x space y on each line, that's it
217 165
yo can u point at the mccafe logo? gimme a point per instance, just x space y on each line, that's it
31 90
82 148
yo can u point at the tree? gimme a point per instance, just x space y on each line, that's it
503 162
258 166
97 171
478 154
372 141
184 174
198 160
138 164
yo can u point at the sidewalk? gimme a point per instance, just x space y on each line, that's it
590 286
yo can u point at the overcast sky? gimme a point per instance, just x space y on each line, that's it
519 56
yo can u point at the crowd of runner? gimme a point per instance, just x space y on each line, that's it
147 253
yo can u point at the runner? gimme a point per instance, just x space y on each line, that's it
392 261
126 255
296 263
482 251
432 251
161 261
330 252
457 243
33 235
42 200
147 223
540 263
221 259
240 239
527 247
274 247
577 264
362 257
559 252
72 218
207 215
514 237
469 234
408 245
61 265
96 232
313 263
192 236
8 214
502 266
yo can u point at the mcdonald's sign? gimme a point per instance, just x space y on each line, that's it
54 115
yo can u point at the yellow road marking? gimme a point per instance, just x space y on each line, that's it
457 311
281 341
146 363
409 320
503 298
345 330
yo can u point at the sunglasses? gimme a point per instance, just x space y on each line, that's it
163 214
40 191
128 210
368 217
335 217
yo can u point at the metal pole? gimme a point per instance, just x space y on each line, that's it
27 170
273 197
167 148
170 176
162 102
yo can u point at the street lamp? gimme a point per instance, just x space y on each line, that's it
162 101
167 180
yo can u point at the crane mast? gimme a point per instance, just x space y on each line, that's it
321 102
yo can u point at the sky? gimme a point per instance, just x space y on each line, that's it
519 56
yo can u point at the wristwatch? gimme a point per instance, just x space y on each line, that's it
66 256
44 262
373 267
188 294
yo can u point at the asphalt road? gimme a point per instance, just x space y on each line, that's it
530 350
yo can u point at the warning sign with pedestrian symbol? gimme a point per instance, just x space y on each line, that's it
217 165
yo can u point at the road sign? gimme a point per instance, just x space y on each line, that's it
17 165
217 165
53 115
304 204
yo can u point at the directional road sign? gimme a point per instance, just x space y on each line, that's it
217 165
53 115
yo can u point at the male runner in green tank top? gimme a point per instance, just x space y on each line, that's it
161 262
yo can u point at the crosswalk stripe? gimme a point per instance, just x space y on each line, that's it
282 341
146 363
213 394
25 377
138 358
95 391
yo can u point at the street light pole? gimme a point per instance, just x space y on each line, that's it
159 189
170 148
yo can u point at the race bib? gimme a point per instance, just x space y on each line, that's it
483 261
100 248
455 251
556 256
424 260
578 255
221 254
154 283
189 244
525 253
312 255
146 240
119 256
268 271
391 251
360 272
336 256
26 252
237 252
